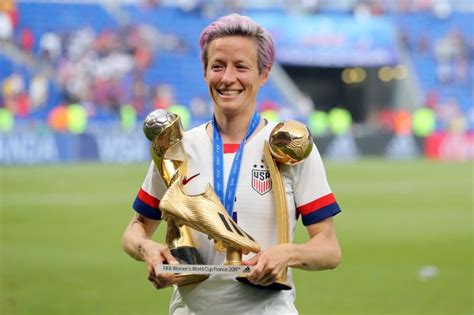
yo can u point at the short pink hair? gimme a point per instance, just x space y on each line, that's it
239 25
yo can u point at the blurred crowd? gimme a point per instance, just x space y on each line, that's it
211 8
105 70
101 70
453 57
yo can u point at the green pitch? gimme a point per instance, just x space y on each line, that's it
406 232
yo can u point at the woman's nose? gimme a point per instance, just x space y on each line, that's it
229 75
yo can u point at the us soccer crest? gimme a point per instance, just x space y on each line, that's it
261 181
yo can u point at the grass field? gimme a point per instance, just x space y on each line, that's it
406 232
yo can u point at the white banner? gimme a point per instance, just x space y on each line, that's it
204 269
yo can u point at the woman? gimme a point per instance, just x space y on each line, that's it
237 56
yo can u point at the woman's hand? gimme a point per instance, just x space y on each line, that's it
155 254
270 264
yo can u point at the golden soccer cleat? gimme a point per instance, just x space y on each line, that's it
205 213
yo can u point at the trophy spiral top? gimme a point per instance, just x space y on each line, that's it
157 121
165 131
290 142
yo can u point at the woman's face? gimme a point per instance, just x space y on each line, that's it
232 74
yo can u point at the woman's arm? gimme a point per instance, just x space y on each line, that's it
137 242
320 252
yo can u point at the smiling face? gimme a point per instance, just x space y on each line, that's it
232 75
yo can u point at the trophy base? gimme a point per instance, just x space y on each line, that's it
277 285
187 255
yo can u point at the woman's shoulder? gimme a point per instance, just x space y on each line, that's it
197 130
196 134
267 129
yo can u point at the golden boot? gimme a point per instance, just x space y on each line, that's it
205 213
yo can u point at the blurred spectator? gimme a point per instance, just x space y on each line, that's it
142 58
442 9
27 40
14 96
367 8
140 95
448 50
422 5
382 119
6 26
8 19
362 9
451 117
376 7
164 96
50 47
461 70
311 6
432 98
189 6
150 4
106 92
78 43
38 91
404 5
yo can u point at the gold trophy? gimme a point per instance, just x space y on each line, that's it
203 212
289 143
165 132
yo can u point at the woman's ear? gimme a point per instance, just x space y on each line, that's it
264 75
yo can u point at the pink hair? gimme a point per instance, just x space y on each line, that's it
239 25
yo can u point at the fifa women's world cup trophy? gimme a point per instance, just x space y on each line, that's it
290 142
165 132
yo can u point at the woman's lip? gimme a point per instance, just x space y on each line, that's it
229 92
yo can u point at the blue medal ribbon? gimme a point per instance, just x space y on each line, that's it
218 163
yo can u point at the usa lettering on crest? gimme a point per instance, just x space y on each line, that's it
261 181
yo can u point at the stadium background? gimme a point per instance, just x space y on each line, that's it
385 86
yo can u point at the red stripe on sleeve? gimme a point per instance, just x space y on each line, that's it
231 147
317 204
148 199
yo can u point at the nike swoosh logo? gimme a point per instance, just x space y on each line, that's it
186 180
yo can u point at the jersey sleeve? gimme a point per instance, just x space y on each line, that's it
314 199
148 198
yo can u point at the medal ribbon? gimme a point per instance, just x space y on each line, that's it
218 163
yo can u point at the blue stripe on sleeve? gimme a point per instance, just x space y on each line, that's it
321 214
146 210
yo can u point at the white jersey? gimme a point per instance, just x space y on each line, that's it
307 193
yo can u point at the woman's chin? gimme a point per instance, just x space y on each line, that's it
234 108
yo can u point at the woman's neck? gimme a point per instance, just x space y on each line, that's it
233 128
